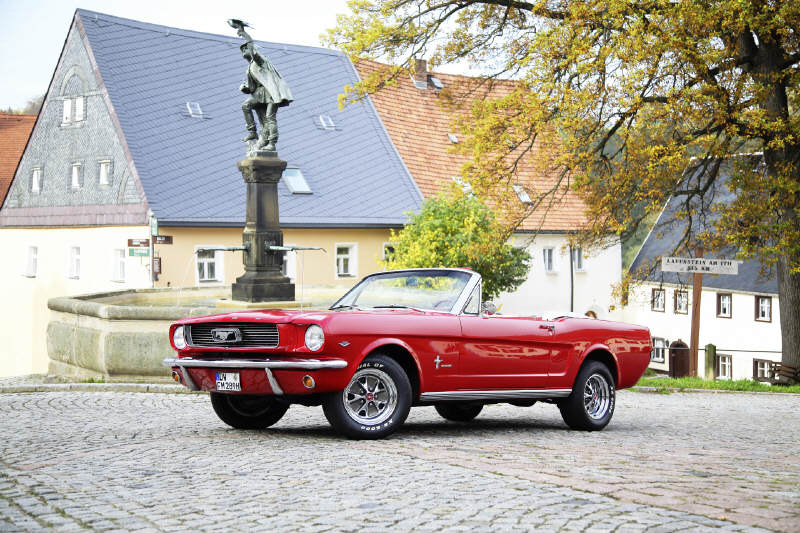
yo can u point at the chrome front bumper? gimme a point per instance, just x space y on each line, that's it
266 364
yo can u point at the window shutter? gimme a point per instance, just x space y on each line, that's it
66 116
80 174
110 172
79 109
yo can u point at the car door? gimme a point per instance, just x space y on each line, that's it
506 352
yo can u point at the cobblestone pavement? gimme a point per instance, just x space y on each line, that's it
72 461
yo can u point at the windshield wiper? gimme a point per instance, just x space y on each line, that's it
344 306
395 306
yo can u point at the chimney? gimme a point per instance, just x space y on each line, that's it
420 74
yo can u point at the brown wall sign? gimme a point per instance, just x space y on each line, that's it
162 239
139 243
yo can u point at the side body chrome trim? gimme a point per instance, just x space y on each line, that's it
310 364
521 394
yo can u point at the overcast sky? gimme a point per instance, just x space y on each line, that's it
32 32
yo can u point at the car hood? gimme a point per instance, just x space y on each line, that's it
286 316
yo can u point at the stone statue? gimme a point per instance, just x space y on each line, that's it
267 92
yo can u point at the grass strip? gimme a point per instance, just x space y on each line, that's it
747 385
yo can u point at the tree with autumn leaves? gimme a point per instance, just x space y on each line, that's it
637 95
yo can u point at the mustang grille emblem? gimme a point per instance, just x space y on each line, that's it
226 335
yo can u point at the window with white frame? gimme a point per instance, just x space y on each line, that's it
194 109
76 175
388 250
659 351
74 266
657 300
118 264
36 180
346 265
103 172
723 367
577 259
762 370
73 110
522 194
208 266
327 122
32 262
764 308
681 302
549 260
724 306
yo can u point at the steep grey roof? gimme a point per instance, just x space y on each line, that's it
187 165
668 231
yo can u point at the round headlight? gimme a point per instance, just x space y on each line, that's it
178 338
315 338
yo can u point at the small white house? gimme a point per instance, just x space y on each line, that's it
739 314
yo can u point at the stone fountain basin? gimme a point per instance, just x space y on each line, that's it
124 335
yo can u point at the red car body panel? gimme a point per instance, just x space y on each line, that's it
450 352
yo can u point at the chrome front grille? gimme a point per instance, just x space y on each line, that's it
252 335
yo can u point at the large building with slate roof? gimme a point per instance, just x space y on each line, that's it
739 314
142 123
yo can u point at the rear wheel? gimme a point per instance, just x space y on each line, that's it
590 406
459 412
374 404
244 411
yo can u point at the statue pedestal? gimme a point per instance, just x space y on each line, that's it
262 280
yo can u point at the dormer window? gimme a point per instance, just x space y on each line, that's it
194 109
295 181
436 82
104 171
327 122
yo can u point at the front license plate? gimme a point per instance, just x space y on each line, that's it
228 381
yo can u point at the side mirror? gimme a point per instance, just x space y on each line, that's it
489 308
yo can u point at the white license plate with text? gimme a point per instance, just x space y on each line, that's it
228 381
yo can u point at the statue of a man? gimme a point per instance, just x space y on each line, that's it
267 92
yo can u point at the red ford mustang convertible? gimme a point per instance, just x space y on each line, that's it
400 339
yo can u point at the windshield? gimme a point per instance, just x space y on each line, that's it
420 289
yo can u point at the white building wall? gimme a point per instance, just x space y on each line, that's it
741 336
550 291
24 314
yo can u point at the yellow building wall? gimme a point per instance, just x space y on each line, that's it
179 267
23 308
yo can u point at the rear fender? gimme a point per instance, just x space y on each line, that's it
599 347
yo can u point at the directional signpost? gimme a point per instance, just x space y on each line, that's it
698 266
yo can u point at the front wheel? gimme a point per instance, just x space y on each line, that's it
459 412
590 406
244 411
375 402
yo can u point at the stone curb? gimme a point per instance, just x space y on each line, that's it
714 391
99 387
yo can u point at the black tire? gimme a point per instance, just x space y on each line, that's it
384 387
590 406
244 411
459 412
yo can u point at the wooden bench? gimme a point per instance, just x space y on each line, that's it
784 374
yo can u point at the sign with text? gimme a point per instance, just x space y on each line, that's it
139 243
162 239
139 252
700 265
156 265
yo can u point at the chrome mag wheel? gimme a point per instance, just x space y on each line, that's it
371 396
596 396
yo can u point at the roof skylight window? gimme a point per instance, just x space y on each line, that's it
295 181
327 122
194 109
420 84
453 138
522 194
437 83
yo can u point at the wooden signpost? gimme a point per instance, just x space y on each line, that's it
698 266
